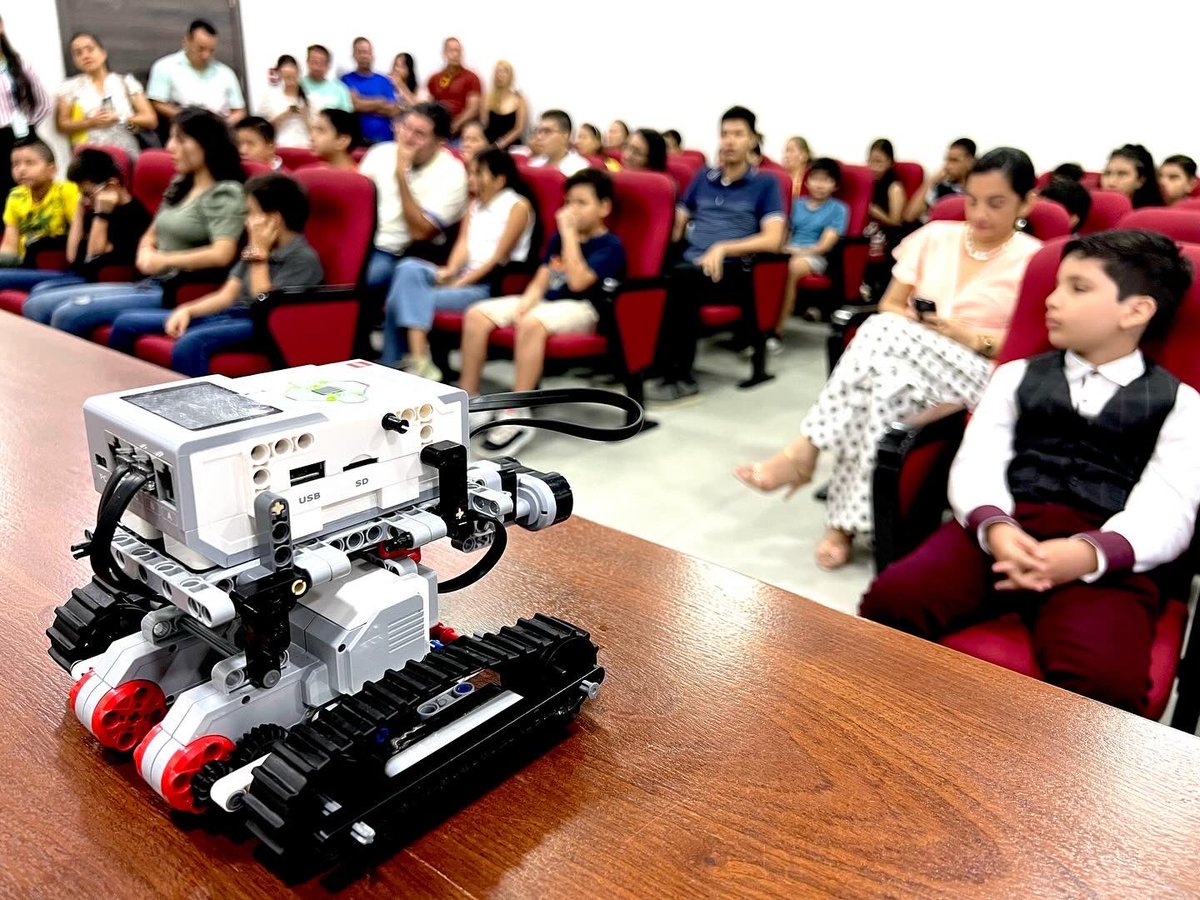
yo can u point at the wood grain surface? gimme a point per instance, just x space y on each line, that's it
747 742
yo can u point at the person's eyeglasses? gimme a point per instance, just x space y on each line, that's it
544 130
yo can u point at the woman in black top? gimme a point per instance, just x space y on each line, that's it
887 199
505 113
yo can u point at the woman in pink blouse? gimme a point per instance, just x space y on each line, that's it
908 358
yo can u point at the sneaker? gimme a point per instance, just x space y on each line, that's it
421 366
508 438
774 347
672 391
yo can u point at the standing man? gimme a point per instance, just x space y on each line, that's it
456 88
373 95
322 91
194 77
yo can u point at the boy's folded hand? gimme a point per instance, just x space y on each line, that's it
1019 558
1068 559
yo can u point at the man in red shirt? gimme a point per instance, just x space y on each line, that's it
456 88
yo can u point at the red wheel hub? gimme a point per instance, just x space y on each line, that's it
177 776
126 713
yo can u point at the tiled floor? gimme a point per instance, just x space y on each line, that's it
672 485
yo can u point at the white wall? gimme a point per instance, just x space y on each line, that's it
1021 73
922 73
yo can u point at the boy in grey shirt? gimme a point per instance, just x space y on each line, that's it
277 256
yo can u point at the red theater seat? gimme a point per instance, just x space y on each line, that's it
1108 208
1177 223
297 158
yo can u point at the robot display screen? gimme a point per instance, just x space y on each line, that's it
200 405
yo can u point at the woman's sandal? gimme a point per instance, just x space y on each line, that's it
834 550
780 470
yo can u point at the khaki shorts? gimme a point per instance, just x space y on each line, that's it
557 316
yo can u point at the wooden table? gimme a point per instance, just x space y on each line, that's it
746 742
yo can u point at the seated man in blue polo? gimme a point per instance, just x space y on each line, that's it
727 212
373 95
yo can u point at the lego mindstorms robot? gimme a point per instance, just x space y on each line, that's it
260 631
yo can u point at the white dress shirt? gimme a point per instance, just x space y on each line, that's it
1160 514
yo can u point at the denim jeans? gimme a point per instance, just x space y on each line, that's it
89 306
412 300
196 346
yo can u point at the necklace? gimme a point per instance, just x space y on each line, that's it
983 255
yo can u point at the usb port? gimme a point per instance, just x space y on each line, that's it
359 463
164 483
305 474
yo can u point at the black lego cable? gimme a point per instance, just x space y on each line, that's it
112 506
635 416
485 564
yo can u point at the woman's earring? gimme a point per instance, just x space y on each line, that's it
1022 224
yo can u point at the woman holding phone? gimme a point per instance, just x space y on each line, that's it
101 107
940 323
285 105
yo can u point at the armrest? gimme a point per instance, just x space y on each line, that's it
909 491
309 326
322 293
631 314
183 286
843 322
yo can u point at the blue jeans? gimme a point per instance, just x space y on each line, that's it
194 349
46 297
89 306
28 279
413 298
379 270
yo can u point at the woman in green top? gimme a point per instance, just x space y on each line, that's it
198 226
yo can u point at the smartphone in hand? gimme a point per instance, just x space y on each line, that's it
924 307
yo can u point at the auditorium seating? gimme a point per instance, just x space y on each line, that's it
910 496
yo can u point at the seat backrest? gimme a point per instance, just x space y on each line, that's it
151 175
1177 223
642 217
118 154
614 153
1047 219
784 179
341 223
250 168
912 176
682 171
1108 208
297 157
698 159
546 183
1027 334
1091 180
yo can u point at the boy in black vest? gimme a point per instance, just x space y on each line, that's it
1078 478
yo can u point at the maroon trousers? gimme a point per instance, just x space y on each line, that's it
1093 639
